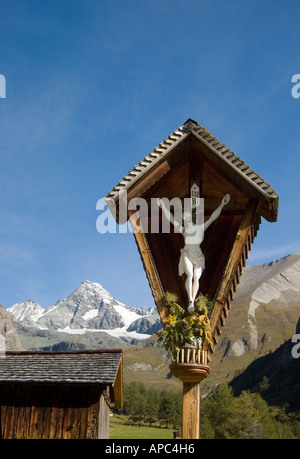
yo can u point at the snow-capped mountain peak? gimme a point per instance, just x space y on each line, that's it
26 311
90 308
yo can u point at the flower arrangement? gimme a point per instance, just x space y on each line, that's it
183 328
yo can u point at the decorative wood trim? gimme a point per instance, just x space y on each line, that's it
191 355
154 176
191 373
233 270
152 274
118 392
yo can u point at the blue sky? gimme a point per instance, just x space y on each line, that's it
92 87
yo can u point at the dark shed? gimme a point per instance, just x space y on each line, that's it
59 395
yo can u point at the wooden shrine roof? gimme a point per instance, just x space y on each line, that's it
190 155
217 148
77 367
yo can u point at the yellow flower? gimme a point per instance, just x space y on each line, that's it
171 320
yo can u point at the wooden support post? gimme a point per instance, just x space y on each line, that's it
191 410
191 374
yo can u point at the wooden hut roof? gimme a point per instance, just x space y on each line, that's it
77 367
216 148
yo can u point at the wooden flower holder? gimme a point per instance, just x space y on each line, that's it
191 368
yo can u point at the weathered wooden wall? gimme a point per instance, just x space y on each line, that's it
53 412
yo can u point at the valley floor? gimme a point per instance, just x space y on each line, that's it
121 428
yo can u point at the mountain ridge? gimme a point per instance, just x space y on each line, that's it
90 309
263 317
249 332
9 338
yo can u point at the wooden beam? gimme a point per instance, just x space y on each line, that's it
118 386
217 246
191 375
269 205
235 265
153 176
152 274
191 410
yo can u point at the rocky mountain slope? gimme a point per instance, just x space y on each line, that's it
9 338
256 336
89 318
263 316
275 375
267 303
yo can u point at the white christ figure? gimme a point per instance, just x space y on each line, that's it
192 260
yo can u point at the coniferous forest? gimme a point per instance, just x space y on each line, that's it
223 416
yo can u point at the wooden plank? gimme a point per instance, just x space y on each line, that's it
142 186
27 415
118 386
103 419
43 421
174 184
159 168
152 274
268 207
33 429
50 412
14 414
59 404
68 423
89 392
165 250
93 416
217 246
234 266
242 243
3 412
52 421
191 410
215 185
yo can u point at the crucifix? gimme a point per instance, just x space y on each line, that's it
189 156
192 260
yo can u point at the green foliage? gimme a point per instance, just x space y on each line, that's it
146 406
120 428
264 385
223 416
217 411
173 307
247 416
183 328
203 304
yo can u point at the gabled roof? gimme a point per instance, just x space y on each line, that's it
192 128
78 367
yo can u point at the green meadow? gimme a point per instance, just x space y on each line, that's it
121 428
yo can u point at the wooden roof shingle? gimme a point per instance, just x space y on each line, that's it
217 148
77 367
